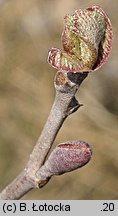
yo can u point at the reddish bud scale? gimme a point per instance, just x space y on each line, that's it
68 156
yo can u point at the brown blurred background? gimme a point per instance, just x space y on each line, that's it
27 30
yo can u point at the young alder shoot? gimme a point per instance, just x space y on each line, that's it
86 41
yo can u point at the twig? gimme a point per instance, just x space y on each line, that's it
93 46
66 85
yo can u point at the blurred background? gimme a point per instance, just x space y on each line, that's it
28 29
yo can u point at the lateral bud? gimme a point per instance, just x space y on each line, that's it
66 157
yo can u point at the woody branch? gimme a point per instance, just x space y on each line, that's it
65 103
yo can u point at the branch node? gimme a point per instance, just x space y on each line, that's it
41 183
77 78
73 106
